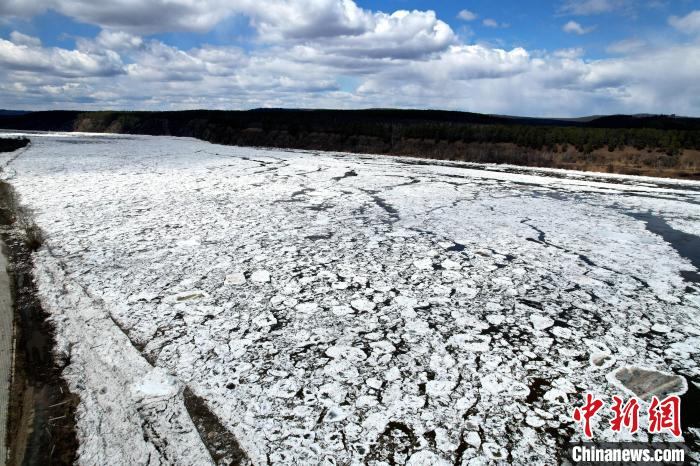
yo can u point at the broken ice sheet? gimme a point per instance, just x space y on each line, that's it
645 383
456 313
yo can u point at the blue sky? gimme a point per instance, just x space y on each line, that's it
538 23
558 58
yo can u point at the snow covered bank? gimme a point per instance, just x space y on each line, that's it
6 348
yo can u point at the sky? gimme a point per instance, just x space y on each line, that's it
558 58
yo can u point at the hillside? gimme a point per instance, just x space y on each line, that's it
655 145
12 112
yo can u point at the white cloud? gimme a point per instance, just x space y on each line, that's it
304 47
307 19
463 63
569 53
479 78
132 15
402 34
57 61
466 15
118 40
159 62
304 17
23 39
644 87
572 27
593 7
562 86
147 17
626 46
492 23
688 24
274 20
341 27
21 8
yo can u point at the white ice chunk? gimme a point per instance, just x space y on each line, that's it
155 384
236 278
362 305
260 276
540 322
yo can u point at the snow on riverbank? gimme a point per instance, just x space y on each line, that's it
347 308
6 349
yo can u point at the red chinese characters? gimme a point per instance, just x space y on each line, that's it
627 415
585 413
663 415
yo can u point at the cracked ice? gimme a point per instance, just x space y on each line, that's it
348 309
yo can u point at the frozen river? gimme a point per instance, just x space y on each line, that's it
347 309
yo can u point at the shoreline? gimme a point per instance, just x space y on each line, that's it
6 348
41 409
553 172
640 148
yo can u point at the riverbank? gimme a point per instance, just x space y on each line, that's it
40 425
6 348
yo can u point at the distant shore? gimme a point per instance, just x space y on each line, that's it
660 146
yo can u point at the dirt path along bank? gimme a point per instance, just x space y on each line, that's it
41 410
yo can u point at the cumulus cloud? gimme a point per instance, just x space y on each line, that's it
341 27
466 15
156 61
561 85
478 62
572 27
118 40
689 24
274 20
57 61
305 48
22 8
640 85
147 17
402 34
479 78
308 19
138 16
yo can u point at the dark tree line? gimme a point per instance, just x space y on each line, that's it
555 139
661 133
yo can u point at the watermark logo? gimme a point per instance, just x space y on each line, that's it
584 415
662 415
665 415
627 453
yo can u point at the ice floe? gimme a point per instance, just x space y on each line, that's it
413 312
